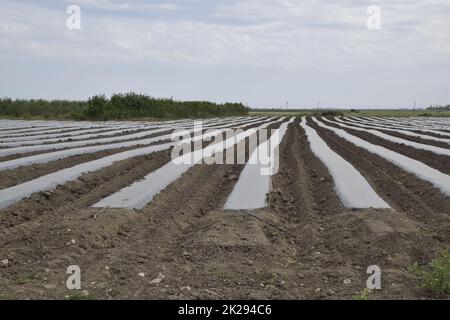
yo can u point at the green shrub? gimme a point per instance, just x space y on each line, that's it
119 106
363 295
96 107
29 109
435 276
331 113
132 105
439 107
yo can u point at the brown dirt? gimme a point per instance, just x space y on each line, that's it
417 139
62 132
392 126
410 138
101 135
15 156
22 174
436 161
305 245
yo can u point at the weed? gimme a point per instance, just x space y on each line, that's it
364 295
435 276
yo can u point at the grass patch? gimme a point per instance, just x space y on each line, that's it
129 106
363 295
332 113
83 295
434 277
350 113
24 279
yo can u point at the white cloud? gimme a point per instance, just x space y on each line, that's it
283 34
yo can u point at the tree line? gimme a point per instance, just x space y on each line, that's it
439 107
117 107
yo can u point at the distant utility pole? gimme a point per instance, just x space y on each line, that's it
318 104
414 109
287 104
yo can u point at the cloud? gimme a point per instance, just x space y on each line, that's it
281 33
310 35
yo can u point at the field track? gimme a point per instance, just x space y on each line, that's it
348 193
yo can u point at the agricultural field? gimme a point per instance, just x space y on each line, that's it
347 193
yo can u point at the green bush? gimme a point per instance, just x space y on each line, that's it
435 276
132 105
96 107
439 107
363 295
331 113
119 106
56 109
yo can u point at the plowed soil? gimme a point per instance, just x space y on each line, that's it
182 245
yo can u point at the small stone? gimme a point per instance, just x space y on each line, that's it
49 286
141 274
46 194
158 279
5 261
106 267
187 288
210 292
317 290
347 281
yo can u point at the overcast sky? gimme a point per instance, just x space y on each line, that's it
261 52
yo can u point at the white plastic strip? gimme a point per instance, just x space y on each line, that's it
404 132
436 178
420 146
351 187
69 134
48 182
252 187
140 193
399 126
